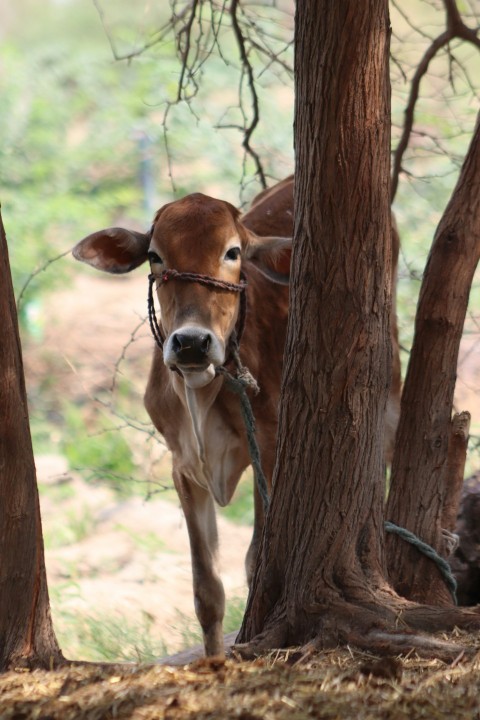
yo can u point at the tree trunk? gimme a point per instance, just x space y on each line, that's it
422 483
322 549
26 632
320 577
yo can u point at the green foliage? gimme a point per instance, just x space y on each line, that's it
103 453
148 542
241 509
69 528
80 132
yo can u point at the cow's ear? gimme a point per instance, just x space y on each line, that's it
271 256
114 250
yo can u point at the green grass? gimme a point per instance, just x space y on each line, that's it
101 637
69 527
241 509
148 542
114 637
234 613
109 638
189 631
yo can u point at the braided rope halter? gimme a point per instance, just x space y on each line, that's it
208 281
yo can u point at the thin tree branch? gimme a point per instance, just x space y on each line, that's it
456 28
248 70
37 272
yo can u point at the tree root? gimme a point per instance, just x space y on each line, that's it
387 628
383 643
434 619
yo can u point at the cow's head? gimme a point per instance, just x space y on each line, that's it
197 234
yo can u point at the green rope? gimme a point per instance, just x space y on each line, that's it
427 550
239 386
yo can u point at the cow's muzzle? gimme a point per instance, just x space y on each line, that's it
191 347
195 352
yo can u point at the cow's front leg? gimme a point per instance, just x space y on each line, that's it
208 591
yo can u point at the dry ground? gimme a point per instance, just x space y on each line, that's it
336 685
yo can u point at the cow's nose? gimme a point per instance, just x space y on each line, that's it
191 348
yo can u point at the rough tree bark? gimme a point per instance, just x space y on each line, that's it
423 478
26 633
455 469
321 576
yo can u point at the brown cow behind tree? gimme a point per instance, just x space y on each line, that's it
204 259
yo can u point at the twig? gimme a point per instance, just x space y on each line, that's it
37 272
456 28
248 70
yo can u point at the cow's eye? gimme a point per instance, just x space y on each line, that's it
233 253
154 258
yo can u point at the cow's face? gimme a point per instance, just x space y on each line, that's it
197 234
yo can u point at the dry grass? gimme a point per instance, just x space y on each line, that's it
337 684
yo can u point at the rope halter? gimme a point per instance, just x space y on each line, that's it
208 281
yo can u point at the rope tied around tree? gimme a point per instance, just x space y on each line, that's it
243 380
429 551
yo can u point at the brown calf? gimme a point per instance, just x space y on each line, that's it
204 239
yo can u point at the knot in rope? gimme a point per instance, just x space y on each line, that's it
427 550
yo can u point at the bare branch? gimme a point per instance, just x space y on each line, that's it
420 72
456 28
185 35
122 356
36 272
248 70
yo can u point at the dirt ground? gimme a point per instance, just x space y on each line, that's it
135 561
337 685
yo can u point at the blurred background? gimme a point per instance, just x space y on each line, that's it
92 134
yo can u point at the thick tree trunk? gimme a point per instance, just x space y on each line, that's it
422 482
322 551
26 632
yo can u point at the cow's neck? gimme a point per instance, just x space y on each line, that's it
197 413
199 402
209 472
